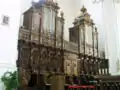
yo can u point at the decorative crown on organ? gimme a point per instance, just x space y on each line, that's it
84 17
47 2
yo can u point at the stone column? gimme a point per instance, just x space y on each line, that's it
58 81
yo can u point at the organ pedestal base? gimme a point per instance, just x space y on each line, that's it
57 82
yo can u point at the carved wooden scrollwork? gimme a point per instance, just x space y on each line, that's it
35 58
24 76
20 56
97 66
94 67
51 56
24 53
57 62
43 58
87 65
91 65
82 64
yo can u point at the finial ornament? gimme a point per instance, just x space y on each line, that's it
83 9
92 22
96 30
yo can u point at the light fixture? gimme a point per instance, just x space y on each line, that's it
36 1
117 1
98 1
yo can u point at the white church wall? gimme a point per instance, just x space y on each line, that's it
10 9
111 41
117 6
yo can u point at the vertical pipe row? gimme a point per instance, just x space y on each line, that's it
79 50
93 43
84 46
55 32
93 39
79 41
54 40
30 33
97 48
39 43
40 28
62 42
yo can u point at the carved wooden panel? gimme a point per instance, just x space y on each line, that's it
46 59
75 67
35 58
58 61
50 54
91 66
43 58
24 76
71 67
67 67
86 65
24 55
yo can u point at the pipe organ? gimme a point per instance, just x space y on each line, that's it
47 61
